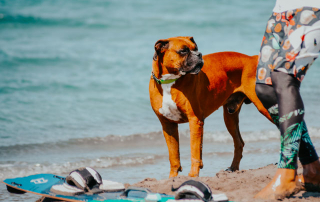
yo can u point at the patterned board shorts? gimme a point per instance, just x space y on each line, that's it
290 44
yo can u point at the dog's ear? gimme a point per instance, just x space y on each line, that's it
192 40
160 47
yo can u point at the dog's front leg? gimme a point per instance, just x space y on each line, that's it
196 141
171 134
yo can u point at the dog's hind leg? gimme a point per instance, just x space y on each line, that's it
196 142
171 134
232 124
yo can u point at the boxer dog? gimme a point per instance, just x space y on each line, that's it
186 87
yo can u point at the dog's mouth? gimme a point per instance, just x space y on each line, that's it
197 68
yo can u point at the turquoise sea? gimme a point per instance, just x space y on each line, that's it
74 80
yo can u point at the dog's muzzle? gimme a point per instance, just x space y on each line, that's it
195 60
197 68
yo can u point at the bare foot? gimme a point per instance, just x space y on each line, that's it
311 176
284 184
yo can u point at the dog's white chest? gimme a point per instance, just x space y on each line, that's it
169 108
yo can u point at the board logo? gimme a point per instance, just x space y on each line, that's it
39 181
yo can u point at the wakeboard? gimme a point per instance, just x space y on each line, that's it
41 184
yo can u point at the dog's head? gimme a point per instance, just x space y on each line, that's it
178 56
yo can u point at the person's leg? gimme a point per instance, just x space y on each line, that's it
310 177
275 100
277 53
294 131
293 128
307 152
267 96
285 92
291 113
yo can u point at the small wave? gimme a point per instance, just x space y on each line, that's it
36 57
255 150
3 54
110 142
29 20
39 88
17 169
254 136
116 142
24 19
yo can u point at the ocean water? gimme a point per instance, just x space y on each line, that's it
74 87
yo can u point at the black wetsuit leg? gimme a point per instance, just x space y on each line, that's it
285 106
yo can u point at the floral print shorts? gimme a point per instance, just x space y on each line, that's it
291 43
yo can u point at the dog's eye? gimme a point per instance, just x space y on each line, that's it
184 51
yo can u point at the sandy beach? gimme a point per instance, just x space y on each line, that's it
238 186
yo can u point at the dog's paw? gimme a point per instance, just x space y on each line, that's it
229 169
175 172
193 174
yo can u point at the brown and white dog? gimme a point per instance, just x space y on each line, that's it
186 87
